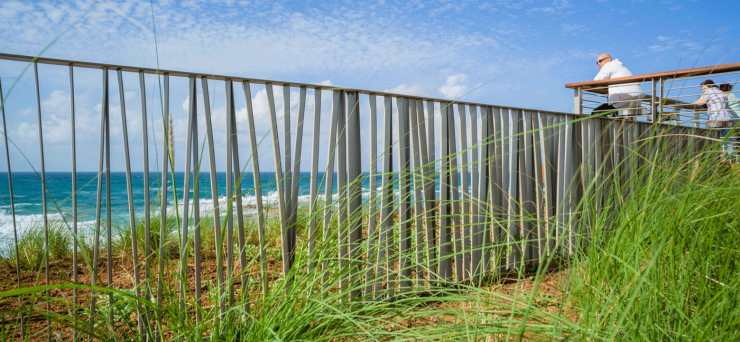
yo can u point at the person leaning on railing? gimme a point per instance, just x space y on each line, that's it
719 113
619 94
732 101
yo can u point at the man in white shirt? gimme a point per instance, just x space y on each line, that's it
620 95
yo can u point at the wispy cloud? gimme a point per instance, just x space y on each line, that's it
414 89
454 87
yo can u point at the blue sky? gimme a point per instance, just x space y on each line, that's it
513 53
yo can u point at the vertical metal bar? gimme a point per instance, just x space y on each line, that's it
660 98
163 195
538 185
257 186
278 177
426 184
586 173
147 199
74 195
514 231
314 177
354 170
404 188
653 102
550 180
607 182
372 200
455 191
501 226
329 175
287 175
588 160
229 113
386 218
391 210
527 184
430 192
466 227
239 206
130 195
296 171
424 166
99 198
491 174
615 153
562 185
596 136
475 197
214 196
43 196
196 200
628 146
482 233
418 186
342 202
578 98
108 210
186 194
445 241
12 200
572 138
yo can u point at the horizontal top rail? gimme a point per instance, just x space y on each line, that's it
155 71
92 65
600 85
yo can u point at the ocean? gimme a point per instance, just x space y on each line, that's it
29 209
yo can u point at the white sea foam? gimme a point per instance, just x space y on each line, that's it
206 208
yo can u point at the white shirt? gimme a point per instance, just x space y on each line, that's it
718 109
618 92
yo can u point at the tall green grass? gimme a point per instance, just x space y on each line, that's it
31 248
660 262
666 264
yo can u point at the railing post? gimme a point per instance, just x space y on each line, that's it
653 106
578 99
660 97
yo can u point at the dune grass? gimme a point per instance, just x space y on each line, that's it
660 262
667 265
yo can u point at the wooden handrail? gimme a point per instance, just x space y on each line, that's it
601 84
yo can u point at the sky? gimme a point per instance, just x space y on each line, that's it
509 53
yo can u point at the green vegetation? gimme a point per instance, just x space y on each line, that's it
31 246
660 262
666 264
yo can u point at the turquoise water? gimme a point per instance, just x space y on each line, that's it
29 209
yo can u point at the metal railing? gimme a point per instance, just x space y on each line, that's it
664 97
489 190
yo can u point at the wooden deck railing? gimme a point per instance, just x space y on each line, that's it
665 95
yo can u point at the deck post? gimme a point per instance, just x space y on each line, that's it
653 104
660 97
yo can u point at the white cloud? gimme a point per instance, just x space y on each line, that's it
454 87
283 43
546 10
675 8
352 46
572 27
414 89
656 48
556 7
